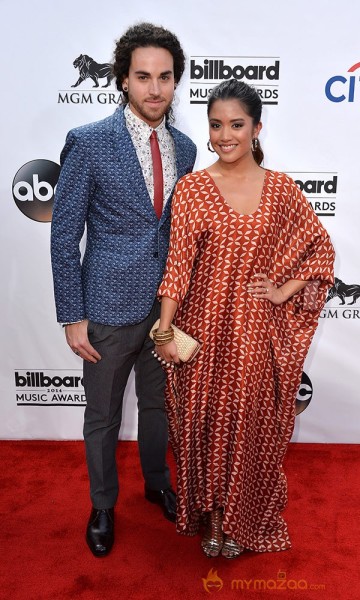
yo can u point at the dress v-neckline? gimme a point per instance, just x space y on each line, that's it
228 206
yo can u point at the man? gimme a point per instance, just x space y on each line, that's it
118 182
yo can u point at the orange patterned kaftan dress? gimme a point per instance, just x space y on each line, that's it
234 413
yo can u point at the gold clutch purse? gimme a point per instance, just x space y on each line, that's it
186 345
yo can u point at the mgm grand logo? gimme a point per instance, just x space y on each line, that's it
260 72
320 189
342 298
91 71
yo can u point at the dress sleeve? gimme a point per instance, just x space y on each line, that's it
183 247
305 252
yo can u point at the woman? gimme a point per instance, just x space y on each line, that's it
248 269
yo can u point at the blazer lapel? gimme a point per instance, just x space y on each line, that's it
181 169
129 163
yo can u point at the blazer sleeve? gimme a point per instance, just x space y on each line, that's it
72 198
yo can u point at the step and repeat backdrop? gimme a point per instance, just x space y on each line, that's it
304 59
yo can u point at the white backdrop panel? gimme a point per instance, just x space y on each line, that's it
306 134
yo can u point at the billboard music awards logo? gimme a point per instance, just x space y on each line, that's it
208 71
33 189
342 301
94 74
320 189
340 88
49 388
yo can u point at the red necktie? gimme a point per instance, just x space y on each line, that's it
158 174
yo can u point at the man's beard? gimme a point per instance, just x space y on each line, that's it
152 115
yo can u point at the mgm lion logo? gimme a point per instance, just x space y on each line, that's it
89 68
343 290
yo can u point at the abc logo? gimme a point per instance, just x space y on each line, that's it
33 189
304 394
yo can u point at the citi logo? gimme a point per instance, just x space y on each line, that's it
34 187
342 89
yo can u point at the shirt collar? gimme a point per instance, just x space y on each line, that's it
133 122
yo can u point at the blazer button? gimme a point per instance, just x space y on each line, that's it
156 255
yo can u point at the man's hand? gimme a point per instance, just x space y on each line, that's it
77 338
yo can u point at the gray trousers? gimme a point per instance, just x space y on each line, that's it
122 348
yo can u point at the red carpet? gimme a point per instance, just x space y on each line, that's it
44 507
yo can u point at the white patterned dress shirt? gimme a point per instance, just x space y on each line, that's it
140 136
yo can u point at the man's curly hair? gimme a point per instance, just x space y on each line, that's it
141 36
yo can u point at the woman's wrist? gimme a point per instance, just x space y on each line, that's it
283 296
163 327
291 287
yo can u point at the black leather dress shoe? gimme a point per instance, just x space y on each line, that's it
166 499
100 531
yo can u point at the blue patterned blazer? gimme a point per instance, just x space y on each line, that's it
101 186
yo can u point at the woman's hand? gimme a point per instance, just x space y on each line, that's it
168 352
262 287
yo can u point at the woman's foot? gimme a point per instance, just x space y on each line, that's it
230 548
213 539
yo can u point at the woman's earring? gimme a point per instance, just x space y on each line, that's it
125 89
209 147
254 144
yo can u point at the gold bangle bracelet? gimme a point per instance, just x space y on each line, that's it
164 331
168 338
163 337
162 343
